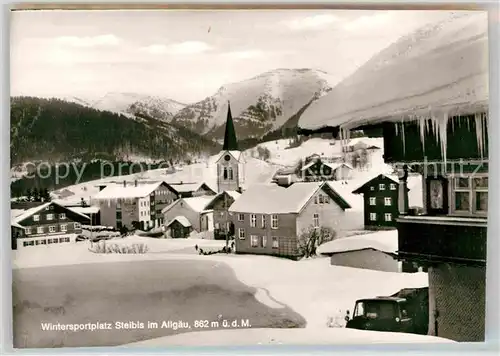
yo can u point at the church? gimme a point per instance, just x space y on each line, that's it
230 161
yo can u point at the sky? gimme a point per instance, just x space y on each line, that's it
189 55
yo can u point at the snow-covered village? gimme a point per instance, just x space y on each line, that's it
296 206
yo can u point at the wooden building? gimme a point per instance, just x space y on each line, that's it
179 227
318 171
223 226
381 194
193 210
269 218
46 224
432 105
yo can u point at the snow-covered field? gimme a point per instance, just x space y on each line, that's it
313 288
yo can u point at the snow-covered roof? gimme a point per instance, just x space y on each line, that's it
187 187
182 220
127 192
385 241
333 166
17 225
29 212
197 204
232 193
343 189
439 69
85 209
16 212
275 199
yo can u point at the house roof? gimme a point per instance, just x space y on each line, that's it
197 204
120 191
414 184
29 212
333 166
232 193
182 220
439 69
275 199
85 209
187 187
385 241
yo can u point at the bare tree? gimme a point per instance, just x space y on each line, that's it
311 238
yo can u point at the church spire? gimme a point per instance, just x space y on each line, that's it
230 141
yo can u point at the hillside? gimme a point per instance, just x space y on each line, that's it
54 130
132 103
259 105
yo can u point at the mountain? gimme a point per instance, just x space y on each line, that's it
133 104
259 105
55 130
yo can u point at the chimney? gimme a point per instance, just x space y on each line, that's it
124 183
135 182
284 181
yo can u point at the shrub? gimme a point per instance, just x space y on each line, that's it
106 248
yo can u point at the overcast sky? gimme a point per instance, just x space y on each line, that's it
188 55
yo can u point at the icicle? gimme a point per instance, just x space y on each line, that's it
396 124
481 123
404 138
421 125
443 136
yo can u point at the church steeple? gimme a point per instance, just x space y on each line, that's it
230 141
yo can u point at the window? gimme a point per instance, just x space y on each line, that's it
28 231
372 188
315 200
373 216
264 221
253 220
39 230
393 186
25 243
326 199
373 201
36 217
320 198
37 242
230 172
64 227
274 221
387 201
388 216
241 217
43 242
381 187
275 242
118 204
78 226
254 240
264 241
241 233
470 195
66 239
225 172
316 220
62 216
50 217
51 207
52 228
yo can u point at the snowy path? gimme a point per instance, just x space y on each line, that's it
313 288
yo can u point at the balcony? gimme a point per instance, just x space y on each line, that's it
430 239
